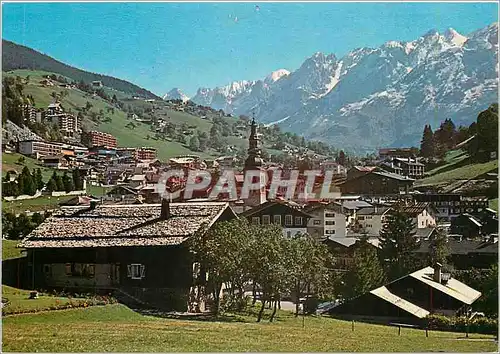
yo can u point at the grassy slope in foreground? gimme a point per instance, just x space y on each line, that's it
119 329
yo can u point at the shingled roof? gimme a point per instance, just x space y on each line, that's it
123 225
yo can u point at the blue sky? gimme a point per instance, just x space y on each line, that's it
190 45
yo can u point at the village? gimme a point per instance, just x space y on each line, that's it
240 177
117 241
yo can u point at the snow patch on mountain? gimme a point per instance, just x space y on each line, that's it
454 37
176 94
276 75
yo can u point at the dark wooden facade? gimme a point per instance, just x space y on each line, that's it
287 214
140 254
147 273
376 183
383 304
467 226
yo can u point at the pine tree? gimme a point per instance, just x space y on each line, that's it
28 183
39 179
51 185
341 158
427 148
67 181
77 179
59 183
6 189
366 272
398 244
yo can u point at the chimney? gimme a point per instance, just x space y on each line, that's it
437 272
165 209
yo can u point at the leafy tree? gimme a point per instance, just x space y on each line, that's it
439 251
427 144
194 143
365 274
21 160
485 281
270 265
20 227
398 244
203 140
223 252
310 263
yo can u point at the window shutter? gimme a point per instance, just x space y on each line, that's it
129 270
68 269
143 271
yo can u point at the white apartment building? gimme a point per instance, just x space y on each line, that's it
328 220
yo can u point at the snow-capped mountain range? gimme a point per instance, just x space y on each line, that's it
374 97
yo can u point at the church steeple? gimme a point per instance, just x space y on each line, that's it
254 159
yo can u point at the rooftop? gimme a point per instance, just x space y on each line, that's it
453 287
123 225
373 210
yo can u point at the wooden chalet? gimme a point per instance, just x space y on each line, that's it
290 215
377 183
137 252
410 299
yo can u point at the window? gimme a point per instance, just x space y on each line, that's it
136 271
277 219
266 219
368 225
330 222
330 232
298 220
317 222
47 269
80 270
288 234
256 220
361 218
329 215
288 220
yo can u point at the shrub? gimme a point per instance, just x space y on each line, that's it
482 325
